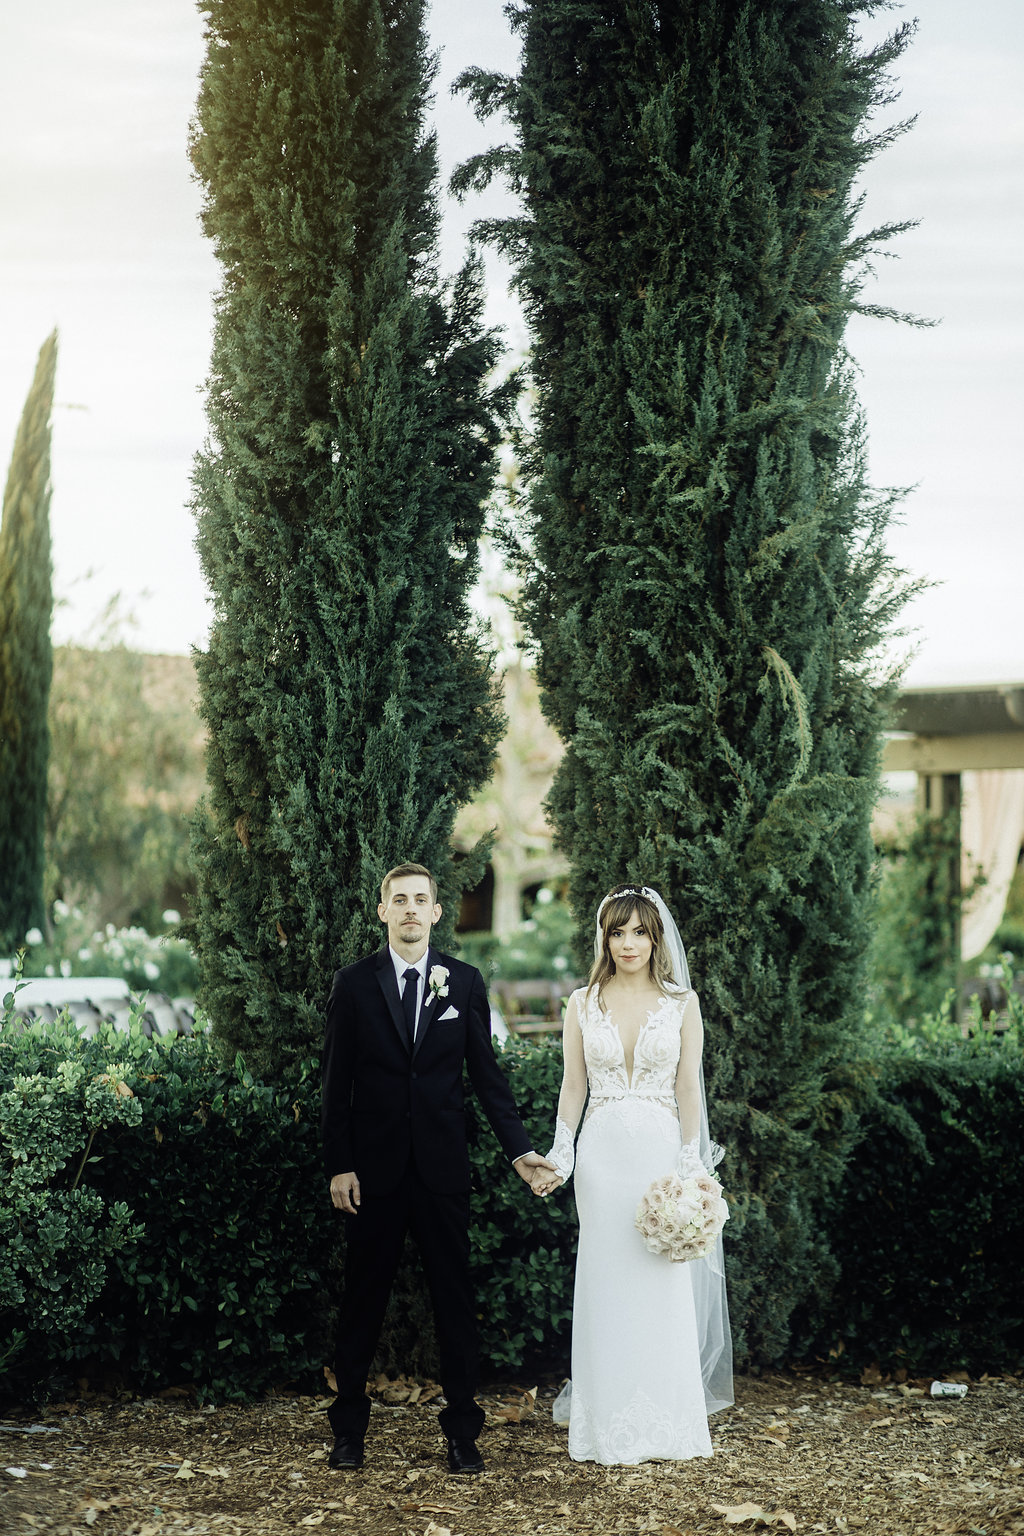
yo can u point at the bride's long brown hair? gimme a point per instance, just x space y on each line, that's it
619 905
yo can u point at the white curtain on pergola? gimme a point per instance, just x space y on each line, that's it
991 832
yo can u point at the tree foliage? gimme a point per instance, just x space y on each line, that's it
705 577
915 958
26 606
350 704
124 775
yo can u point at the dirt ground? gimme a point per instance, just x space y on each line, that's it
796 1453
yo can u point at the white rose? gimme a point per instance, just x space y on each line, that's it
438 980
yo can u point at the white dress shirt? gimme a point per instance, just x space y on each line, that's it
402 965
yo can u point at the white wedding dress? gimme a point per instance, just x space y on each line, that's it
637 1389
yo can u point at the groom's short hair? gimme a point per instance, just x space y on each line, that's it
398 873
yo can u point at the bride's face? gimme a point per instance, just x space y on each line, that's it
630 946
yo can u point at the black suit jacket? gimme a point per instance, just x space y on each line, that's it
384 1103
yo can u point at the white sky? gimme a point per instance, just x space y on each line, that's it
100 237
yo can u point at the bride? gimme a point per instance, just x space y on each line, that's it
651 1353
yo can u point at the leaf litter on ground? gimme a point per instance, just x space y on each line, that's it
798 1452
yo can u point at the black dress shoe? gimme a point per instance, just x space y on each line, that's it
463 1456
347 1455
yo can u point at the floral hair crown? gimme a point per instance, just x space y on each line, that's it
627 890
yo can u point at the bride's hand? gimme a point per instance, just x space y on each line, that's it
544 1181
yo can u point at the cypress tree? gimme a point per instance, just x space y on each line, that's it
26 659
705 579
350 704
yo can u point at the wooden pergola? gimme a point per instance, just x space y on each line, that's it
940 733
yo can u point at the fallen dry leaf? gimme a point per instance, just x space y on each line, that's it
437 1530
739 1514
516 1412
314 1519
184 1472
563 1509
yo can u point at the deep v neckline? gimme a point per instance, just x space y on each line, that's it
652 1014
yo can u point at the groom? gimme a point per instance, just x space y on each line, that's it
402 1026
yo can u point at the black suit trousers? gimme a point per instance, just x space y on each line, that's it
439 1225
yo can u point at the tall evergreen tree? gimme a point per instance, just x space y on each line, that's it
26 659
350 703
705 577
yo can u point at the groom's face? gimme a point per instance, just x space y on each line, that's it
409 913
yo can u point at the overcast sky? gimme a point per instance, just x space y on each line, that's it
100 237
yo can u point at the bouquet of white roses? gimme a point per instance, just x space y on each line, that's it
682 1217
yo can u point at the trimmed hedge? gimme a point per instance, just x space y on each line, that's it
225 1283
212 1250
928 1225
210 1253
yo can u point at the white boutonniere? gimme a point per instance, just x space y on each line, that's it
438 981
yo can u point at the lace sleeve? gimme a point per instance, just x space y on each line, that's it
573 1092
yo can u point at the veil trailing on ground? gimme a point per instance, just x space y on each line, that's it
707 1274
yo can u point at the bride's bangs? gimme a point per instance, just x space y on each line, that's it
619 911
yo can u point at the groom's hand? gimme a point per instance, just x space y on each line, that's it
345 1192
527 1165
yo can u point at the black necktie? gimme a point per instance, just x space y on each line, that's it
411 979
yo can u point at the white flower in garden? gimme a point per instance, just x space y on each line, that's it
65 968
50 971
171 917
85 954
33 936
111 930
61 909
76 913
560 963
152 971
544 896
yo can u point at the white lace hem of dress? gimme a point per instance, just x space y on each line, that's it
640 1431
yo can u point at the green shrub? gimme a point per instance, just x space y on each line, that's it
224 1283
524 1248
230 1287
914 958
57 1236
199 1244
183 1233
928 1224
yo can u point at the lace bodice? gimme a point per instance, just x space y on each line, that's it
655 1058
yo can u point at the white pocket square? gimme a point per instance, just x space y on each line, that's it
449 1013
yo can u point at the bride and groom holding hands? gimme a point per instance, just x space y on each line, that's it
650 1350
